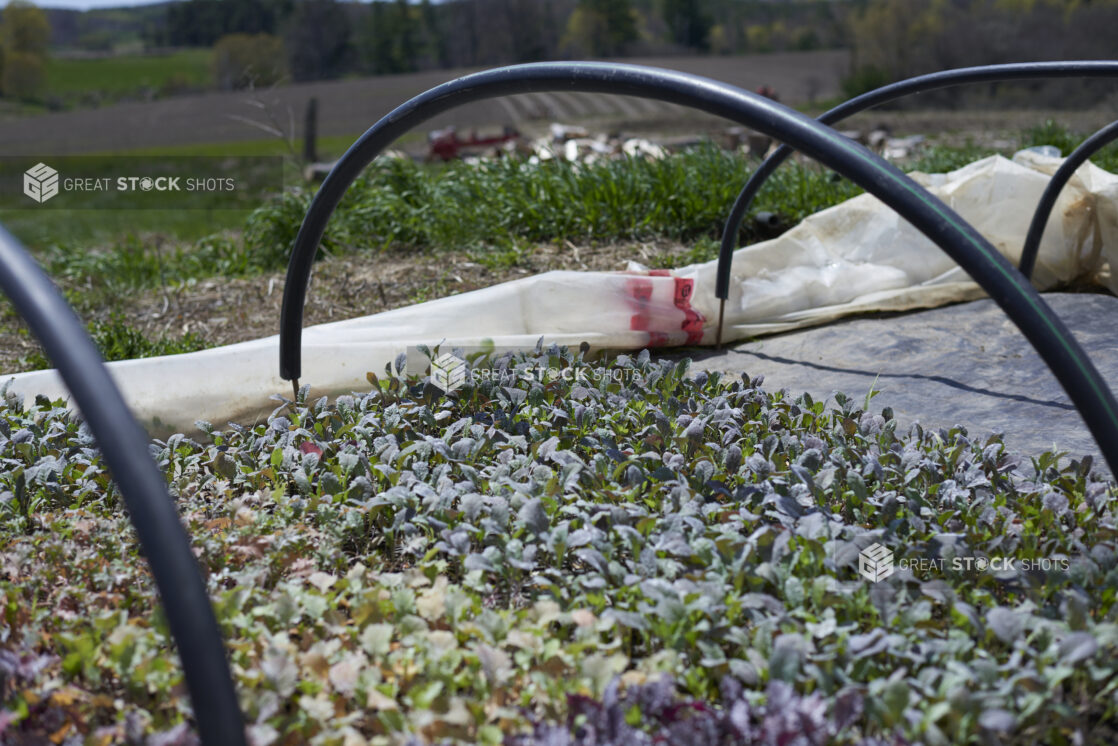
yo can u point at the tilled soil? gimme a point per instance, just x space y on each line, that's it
993 128
352 105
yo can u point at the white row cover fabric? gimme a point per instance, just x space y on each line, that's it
856 257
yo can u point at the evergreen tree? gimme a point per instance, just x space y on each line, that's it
390 39
318 40
600 28
688 24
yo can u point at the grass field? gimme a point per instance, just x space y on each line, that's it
88 230
78 81
329 147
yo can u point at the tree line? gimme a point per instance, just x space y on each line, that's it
326 38
260 42
267 40
895 39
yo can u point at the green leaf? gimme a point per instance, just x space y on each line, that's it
376 639
1007 624
423 695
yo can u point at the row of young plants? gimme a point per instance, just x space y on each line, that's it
487 205
490 205
644 557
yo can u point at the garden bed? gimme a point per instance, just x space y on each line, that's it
408 564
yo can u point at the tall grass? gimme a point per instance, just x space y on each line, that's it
1053 133
683 197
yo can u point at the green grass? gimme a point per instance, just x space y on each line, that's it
329 147
140 263
105 218
117 340
501 205
81 231
89 229
125 75
492 207
489 209
1053 133
682 197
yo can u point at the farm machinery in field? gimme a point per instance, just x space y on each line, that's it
447 145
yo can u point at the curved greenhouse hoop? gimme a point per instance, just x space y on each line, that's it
1008 287
124 445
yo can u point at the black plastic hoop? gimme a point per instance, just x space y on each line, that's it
885 94
1008 287
1078 157
124 445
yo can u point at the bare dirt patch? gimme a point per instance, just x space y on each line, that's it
997 129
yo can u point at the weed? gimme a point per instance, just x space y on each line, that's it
1053 133
118 340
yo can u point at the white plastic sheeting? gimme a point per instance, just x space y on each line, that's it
860 256
855 257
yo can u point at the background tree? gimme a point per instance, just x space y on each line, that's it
389 38
500 32
24 33
895 39
600 28
434 35
25 28
200 23
318 40
688 23
23 76
244 60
